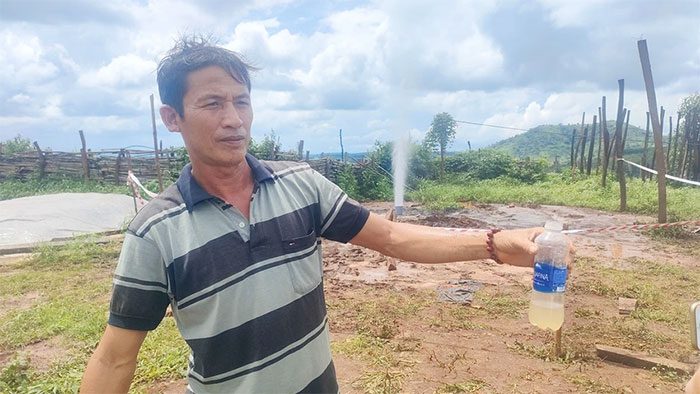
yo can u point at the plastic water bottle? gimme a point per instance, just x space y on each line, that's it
549 279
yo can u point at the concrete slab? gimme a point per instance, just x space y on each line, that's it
43 218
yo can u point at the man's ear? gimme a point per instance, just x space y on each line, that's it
170 118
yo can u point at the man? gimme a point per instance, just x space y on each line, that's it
234 247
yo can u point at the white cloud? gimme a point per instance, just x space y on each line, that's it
24 60
574 13
123 71
20 99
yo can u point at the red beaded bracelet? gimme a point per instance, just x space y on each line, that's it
489 244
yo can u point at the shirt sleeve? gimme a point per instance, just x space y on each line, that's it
140 287
342 217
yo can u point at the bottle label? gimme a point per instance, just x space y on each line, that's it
548 278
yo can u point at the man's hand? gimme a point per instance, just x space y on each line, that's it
518 247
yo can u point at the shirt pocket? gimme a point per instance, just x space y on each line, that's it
305 269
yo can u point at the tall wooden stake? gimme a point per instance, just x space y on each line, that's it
644 152
670 140
582 166
155 145
627 126
572 159
606 143
590 148
651 98
342 151
674 162
600 140
42 160
83 154
618 145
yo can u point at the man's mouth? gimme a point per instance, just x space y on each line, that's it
233 139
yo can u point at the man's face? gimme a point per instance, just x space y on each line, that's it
217 118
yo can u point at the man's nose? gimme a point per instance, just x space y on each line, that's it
231 117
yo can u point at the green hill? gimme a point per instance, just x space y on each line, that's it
551 141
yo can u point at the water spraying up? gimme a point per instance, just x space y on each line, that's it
399 164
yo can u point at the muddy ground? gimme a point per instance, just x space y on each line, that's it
491 355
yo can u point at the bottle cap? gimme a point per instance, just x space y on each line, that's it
553 226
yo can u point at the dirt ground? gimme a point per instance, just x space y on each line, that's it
491 357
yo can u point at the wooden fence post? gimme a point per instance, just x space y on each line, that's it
120 155
582 166
651 98
572 160
590 148
600 139
582 143
606 142
661 130
342 151
42 160
644 151
155 145
619 148
83 153
674 161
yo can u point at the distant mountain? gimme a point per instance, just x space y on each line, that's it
550 141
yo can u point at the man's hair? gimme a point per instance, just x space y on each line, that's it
191 53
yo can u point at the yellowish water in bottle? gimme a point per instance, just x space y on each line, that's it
545 313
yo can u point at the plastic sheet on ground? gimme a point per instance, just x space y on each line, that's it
43 218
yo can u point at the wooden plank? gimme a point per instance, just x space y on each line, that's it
640 360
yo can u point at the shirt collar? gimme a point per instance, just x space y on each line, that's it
193 193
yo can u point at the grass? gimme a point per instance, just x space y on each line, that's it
71 286
683 202
11 188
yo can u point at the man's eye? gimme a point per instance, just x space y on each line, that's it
212 104
242 102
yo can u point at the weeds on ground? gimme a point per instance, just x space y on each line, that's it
588 385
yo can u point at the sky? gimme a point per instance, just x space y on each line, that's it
377 70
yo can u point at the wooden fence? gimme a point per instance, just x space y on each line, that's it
113 166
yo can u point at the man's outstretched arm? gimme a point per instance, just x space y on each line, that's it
424 244
112 365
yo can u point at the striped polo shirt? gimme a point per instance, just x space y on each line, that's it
247 295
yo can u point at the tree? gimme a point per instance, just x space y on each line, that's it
16 145
441 134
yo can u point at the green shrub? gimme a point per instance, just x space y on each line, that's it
16 145
373 184
492 164
346 180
